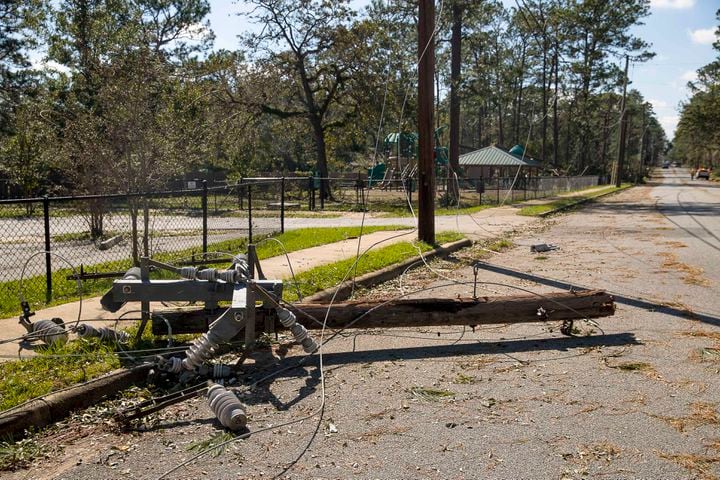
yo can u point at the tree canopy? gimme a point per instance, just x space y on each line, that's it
141 98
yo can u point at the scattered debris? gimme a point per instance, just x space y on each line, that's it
431 394
543 247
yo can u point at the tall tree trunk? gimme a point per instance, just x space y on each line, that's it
606 139
568 134
455 69
556 120
543 154
322 169
521 80
501 136
481 114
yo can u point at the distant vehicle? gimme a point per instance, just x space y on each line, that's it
675 164
666 165
703 173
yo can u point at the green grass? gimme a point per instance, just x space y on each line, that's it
21 454
65 291
564 202
62 365
80 360
326 276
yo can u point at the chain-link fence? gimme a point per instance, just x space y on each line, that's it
47 242
356 192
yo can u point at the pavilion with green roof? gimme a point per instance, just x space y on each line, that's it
493 161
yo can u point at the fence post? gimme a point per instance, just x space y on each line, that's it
322 192
249 190
282 205
48 264
146 227
311 197
205 216
239 193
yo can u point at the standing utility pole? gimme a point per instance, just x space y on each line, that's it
426 167
455 69
617 171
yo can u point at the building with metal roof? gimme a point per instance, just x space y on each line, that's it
493 161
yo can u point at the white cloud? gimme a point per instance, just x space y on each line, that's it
657 104
674 4
703 36
669 123
689 76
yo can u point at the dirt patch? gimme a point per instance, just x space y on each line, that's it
702 414
674 244
697 464
691 275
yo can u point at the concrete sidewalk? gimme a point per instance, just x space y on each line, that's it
484 224
275 267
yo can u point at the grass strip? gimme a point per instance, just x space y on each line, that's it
326 276
57 367
566 202
65 291
62 365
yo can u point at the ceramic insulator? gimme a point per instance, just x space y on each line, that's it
218 370
202 349
48 331
226 407
104 333
172 364
288 320
188 272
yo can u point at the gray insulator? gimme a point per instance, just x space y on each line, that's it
188 272
103 333
288 320
226 407
218 370
229 276
172 364
48 331
221 330
200 351
209 274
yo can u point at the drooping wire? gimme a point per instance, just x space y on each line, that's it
21 288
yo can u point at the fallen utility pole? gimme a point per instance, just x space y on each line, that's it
427 312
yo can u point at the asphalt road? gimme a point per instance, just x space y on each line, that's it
635 396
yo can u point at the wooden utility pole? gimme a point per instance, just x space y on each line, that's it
420 312
426 164
455 69
617 171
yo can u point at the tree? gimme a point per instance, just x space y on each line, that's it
697 138
311 48
18 20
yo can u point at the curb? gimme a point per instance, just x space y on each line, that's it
42 411
580 202
388 273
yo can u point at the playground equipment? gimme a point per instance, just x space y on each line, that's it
401 152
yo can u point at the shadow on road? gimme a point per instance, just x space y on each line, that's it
623 299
